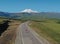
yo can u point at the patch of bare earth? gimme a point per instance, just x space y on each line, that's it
8 37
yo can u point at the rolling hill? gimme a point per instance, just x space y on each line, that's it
30 15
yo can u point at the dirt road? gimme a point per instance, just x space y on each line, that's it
25 35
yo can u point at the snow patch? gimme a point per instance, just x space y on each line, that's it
29 11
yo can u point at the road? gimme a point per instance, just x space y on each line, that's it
25 35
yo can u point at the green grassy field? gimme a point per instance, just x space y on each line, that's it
2 20
50 29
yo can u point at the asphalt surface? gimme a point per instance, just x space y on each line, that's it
25 35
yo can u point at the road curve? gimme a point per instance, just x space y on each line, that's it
25 35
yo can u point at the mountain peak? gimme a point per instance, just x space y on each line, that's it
29 11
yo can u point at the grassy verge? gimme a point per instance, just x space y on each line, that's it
2 20
48 29
8 37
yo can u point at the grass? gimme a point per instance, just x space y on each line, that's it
8 37
49 29
1 20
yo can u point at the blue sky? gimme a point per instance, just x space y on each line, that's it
38 5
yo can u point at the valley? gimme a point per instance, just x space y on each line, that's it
45 24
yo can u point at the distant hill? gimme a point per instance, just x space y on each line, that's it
32 15
4 14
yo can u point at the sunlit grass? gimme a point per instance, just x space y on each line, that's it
48 28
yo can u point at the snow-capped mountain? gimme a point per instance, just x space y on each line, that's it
29 11
30 14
